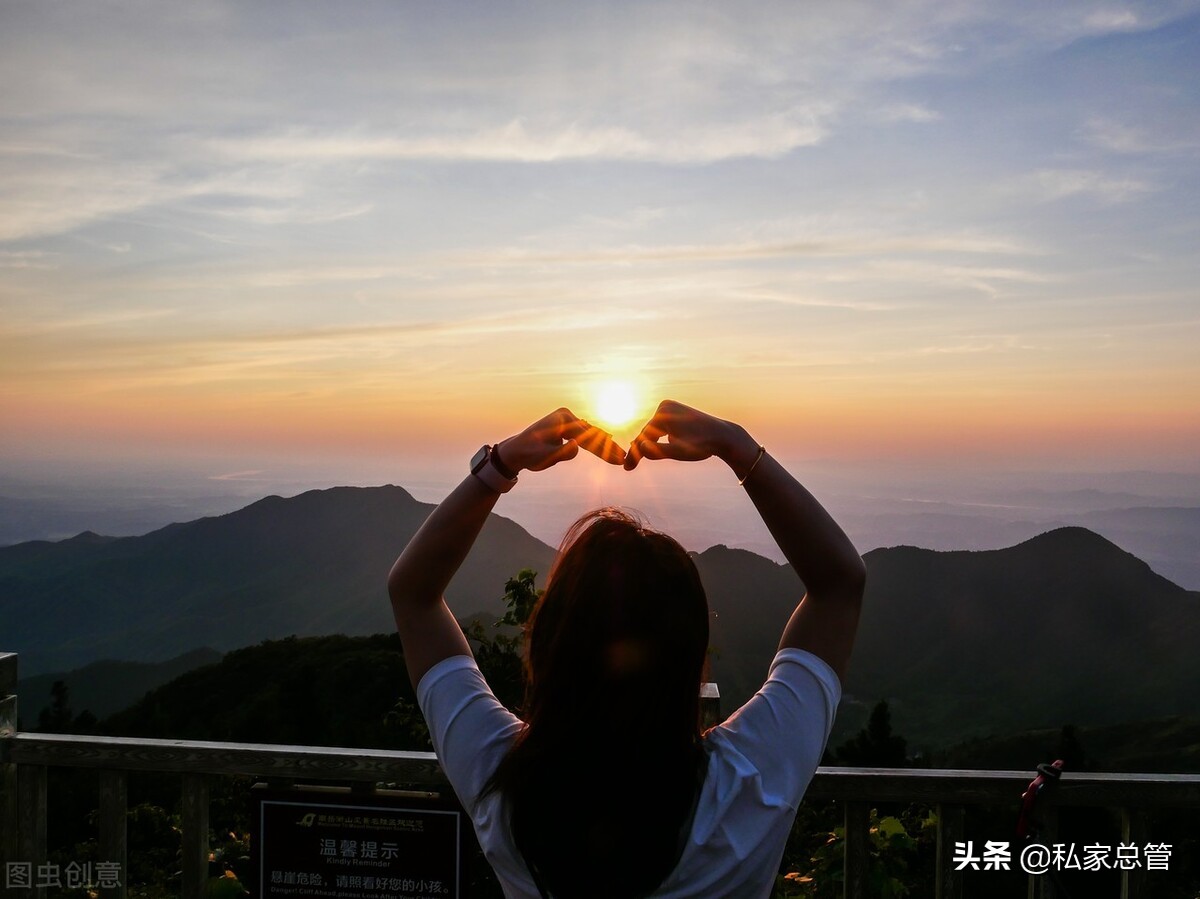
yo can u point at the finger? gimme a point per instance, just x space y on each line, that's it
667 412
570 427
648 449
600 443
651 431
632 456
613 454
568 450
648 436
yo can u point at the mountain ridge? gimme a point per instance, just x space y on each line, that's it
1065 626
310 564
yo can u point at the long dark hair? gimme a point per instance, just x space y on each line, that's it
605 774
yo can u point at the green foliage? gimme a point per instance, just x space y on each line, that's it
230 867
500 653
154 846
406 721
895 842
520 597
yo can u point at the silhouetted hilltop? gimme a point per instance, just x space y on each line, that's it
1165 746
1066 627
313 564
751 598
106 687
323 691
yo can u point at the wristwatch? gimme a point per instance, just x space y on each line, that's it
487 466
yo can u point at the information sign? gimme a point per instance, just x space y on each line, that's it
334 844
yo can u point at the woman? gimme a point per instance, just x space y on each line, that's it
608 789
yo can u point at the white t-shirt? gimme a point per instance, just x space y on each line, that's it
760 761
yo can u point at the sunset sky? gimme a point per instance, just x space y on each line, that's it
925 230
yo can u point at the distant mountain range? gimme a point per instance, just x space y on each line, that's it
106 687
310 565
1063 628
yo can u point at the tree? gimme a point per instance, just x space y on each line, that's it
875 746
500 655
1070 750
498 652
56 718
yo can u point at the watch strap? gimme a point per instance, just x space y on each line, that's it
491 476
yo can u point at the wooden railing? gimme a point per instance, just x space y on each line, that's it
25 758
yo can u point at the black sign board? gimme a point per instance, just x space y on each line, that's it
328 843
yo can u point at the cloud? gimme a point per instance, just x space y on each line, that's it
515 141
248 475
815 247
1109 20
907 112
669 84
315 213
1119 137
932 277
53 195
34 259
1050 185
177 353
39 325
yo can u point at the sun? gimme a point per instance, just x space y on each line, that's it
615 403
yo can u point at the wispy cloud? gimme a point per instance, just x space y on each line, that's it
238 201
36 259
1049 185
178 355
515 141
907 112
59 322
991 281
1112 19
251 474
814 247
1120 137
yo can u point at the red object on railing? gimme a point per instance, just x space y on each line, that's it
1047 774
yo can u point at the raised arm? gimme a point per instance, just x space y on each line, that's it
419 577
826 619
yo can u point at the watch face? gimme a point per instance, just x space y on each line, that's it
478 460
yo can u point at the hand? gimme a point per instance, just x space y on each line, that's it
554 439
691 435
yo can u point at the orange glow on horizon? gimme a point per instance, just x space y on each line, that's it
1005 426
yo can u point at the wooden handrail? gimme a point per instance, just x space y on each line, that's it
29 755
202 757
981 787
874 785
25 758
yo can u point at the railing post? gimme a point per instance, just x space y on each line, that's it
8 773
710 706
8 694
195 835
1044 887
1134 830
857 856
950 830
31 817
113 825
